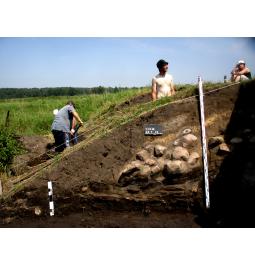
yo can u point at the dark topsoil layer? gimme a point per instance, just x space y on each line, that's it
103 160
98 165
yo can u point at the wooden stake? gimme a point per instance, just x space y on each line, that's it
7 120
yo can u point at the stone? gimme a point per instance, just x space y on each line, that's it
223 149
236 140
159 178
168 154
145 171
21 201
136 175
84 188
186 131
189 140
29 194
99 187
8 220
38 211
180 153
161 163
142 155
193 158
150 162
149 148
195 187
152 185
132 167
155 170
133 189
159 150
176 167
177 142
215 141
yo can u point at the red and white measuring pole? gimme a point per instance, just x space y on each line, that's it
204 144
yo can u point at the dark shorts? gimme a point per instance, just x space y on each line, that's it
60 140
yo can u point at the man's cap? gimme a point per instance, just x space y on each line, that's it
161 63
241 62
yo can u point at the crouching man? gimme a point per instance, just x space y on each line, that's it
61 125
241 72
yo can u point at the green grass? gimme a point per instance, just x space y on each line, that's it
34 116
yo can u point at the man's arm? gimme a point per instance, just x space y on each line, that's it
246 70
73 126
154 90
75 114
73 123
172 89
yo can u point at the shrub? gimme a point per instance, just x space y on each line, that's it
9 147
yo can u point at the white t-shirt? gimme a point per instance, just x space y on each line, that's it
163 84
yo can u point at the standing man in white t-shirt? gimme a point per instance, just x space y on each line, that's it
162 83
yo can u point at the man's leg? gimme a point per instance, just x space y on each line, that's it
233 78
60 140
75 138
67 140
244 78
238 78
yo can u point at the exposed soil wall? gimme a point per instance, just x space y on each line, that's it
89 176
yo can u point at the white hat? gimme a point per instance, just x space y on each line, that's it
55 111
241 62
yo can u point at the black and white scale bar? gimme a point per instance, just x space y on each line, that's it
50 194
204 144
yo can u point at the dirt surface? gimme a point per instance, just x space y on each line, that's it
92 172
34 150
110 219
102 160
143 98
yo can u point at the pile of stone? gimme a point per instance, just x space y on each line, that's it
218 145
157 162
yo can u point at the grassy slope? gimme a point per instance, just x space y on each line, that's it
105 118
33 116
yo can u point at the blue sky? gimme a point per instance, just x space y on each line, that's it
89 62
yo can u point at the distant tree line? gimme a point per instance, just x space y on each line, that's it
7 93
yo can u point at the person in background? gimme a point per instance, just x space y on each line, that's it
162 83
240 72
61 125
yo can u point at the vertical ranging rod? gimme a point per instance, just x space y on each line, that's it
204 144
50 193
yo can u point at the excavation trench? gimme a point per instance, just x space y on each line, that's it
88 192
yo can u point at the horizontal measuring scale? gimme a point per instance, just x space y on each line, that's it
153 130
